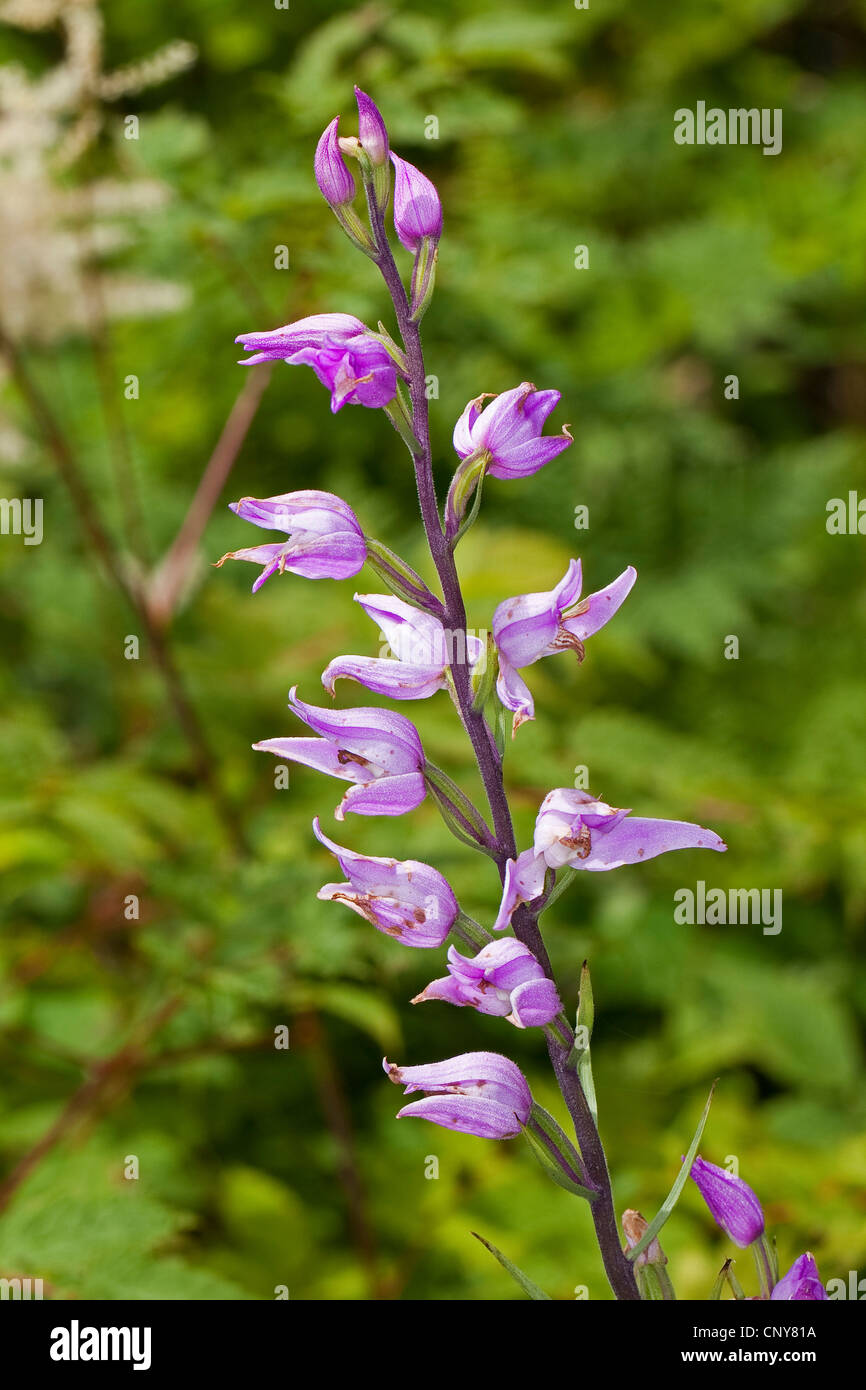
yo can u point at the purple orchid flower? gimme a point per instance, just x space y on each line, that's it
574 829
421 652
509 431
504 979
802 1282
336 181
325 537
376 749
344 354
417 207
536 625
372 131
476 1093
405 899
731 1201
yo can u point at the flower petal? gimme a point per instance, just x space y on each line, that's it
524 459
601 606
467 1114
317 753
413 636
398 680
637 838
524 881
535 1003
387 796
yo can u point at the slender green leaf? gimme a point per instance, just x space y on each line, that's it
670 1201
529 1288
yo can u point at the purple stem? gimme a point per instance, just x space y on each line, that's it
618 1269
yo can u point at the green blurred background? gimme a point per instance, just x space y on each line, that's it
155 1037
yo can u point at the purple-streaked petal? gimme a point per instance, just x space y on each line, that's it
524 881
732 1203
372 132
398 680
382 737
307 332
339 556
464 444
486 1119
568 590
504 422
802 1282
601 606
335 180
525 627
417 208
387 796
471 1073
316 753
514 694
637 838
507 963
525 459
306 510
413 636
538 406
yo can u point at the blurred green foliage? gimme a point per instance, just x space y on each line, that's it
261 1167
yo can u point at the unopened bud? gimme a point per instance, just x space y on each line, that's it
634 1226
